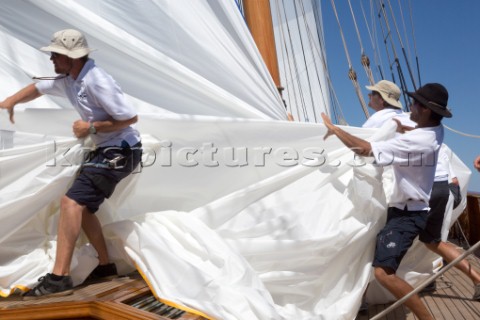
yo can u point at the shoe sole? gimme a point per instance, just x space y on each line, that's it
50 295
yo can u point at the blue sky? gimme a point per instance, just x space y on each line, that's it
447 40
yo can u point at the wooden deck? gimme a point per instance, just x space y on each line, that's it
123 298
450 301
130 298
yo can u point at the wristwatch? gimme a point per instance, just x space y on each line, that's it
92 129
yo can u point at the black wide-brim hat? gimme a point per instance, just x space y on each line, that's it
433 96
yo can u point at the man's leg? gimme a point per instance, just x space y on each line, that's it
448 252
399 288
59 282
93 230
68 232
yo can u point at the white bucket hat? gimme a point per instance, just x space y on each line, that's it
69 42
389 91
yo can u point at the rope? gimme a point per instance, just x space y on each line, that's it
427 282
376 56
462 133
364 59
353 76
351 73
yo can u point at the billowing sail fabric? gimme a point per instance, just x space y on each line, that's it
235 213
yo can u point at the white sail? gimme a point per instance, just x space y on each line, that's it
236 213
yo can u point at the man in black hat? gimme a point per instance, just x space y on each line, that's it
413 157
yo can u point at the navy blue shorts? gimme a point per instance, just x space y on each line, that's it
98 178
397 236
438 204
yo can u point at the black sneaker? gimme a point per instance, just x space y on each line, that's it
48 287
102 272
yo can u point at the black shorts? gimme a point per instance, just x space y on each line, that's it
397 236
438 204
98 178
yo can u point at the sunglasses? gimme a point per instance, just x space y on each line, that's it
54 55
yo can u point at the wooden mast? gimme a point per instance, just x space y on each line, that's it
259 20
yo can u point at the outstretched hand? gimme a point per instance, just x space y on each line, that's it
9 107
330 126
402 128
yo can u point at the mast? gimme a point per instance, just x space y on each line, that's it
259 20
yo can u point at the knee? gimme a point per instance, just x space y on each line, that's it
67 204
383 274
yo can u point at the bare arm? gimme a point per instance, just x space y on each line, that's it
81 128
26 94
357 145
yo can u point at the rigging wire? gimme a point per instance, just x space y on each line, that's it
402 46
284 42
313 50
405 34
305 62
300 91
351 73
335 104
387 51
364 58
403 85
372 35
414 43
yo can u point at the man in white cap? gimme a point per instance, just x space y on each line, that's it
385 100
108 120
413 158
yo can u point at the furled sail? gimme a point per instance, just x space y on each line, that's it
235 213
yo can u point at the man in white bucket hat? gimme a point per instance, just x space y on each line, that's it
108 119
385 100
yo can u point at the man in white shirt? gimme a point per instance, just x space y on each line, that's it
385 100
413 157
107 118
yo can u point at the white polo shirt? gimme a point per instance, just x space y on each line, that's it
377 119
413 157
97 97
